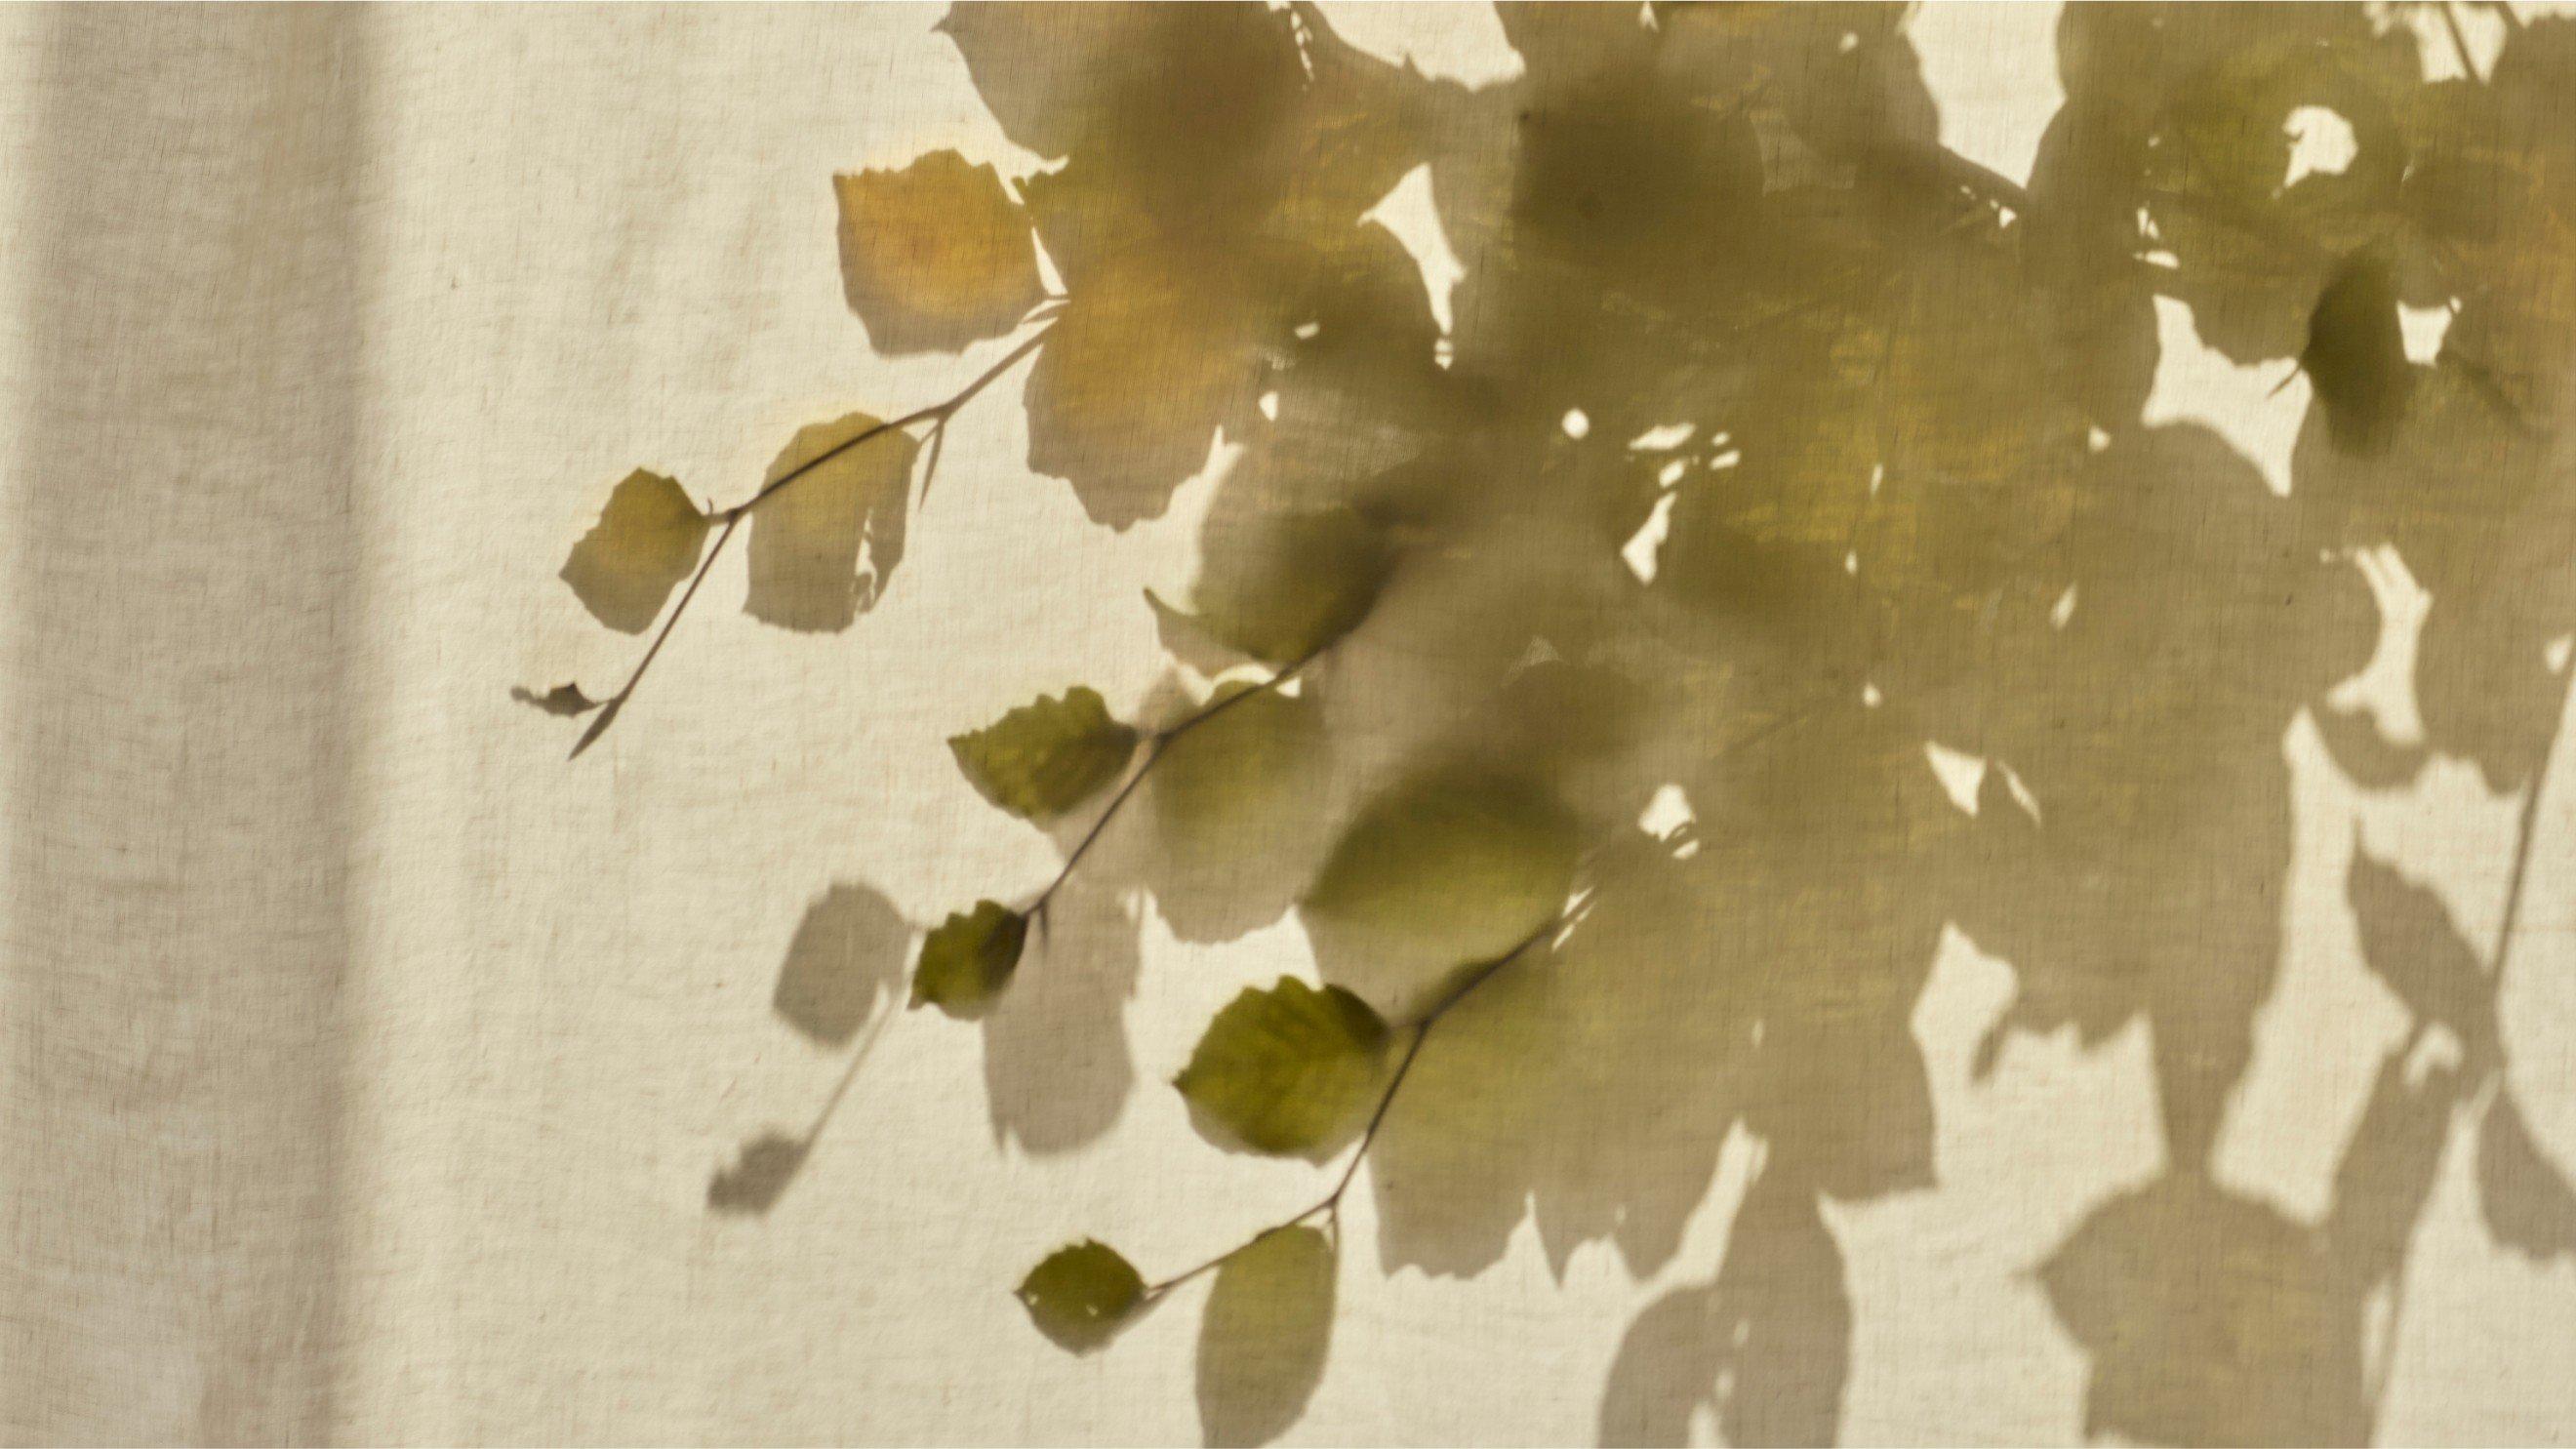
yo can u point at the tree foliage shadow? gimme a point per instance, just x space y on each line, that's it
1656 845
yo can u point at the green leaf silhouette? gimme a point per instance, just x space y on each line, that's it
1287 1070
967 961
646 541
935 256
1046 757
1082 1295
1125 401
1444 869
1293 585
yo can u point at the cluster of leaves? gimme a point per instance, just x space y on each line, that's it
1877 417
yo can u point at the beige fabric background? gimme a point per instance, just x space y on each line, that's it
362 1063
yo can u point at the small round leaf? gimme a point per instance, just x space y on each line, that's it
1082 1295
646 541
969 959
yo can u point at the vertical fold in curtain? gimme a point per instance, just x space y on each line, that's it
180 569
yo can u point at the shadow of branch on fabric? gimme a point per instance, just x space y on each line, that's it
1568 658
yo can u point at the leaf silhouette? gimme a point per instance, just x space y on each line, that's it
2356 356
1136 378
1287 1070
1283 590
1767 1344
2209 1319
1242 812
646 541
2525 1199
807 537
1442 870
1268 1329
1048 756
2386 1176
753 1185
1080 1296
935 256
566 700
2409 942
1667 1367
1736 450
846 957
967 961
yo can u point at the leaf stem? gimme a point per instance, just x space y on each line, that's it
937 415
2460 41
1329 1206
2529 827
1155 745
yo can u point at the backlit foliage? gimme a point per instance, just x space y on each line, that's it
1878 415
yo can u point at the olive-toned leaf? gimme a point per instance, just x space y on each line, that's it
846 957
1082 1295
935 256
646 541
1242 810
564 699
1283 590
969 959
806 538
1126 398
1287 1070
753 1184
1444 869
2356 356
1044 758
1179 93
1268 1327
1186 638
2526 1201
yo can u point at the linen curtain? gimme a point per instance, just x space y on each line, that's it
370 1072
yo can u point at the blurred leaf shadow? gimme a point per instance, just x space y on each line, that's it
1764 451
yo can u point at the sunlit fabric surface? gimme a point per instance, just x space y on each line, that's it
1919 758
